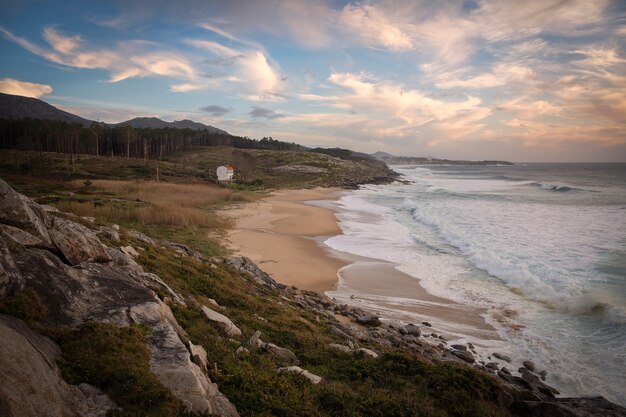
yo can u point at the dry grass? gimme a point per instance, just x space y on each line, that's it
150 202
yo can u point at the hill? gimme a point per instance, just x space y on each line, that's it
156 123
420 160
18 107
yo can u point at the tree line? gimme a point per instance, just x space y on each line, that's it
101 139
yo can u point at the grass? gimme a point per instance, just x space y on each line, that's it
396 384
116 359
24 304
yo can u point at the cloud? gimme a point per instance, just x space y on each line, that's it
129 59
375 29
23 88
251 72
215 110
258 112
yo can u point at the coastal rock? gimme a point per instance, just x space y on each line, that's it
502 356
15 211
141 237
225 325
427 324
155 283
31 380
123 260
494 366
411 330
282 355
459 347
368 320
11 280
568 407
340 348
530 365
198 356
466 356
130 251
255 340
109 233
314 379
243 264
366 353
76 242
171 362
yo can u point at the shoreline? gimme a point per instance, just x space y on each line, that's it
284 235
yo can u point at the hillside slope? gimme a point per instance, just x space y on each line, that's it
18 107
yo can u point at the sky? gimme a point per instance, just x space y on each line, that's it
536 81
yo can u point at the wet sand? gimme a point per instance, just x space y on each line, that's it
284 234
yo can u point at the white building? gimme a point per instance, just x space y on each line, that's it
225 173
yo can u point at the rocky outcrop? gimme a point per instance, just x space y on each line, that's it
31 381
314 379
227 327
245 265
79 280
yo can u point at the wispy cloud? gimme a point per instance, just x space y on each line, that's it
258 112
23 88
215 110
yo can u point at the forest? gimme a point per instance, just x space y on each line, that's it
100 139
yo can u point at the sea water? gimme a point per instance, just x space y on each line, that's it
540 247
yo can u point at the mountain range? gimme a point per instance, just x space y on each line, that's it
18 107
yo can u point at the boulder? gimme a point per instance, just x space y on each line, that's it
466 356
411 330
76 242
123 260
459 347
109 233
502 356
282 355
530 365
243 264
494 366
568 407
16 211
368 320
31 380
227 327
11 280
255 340
130 251
314 379
198 356
339 348
171 362
366 353
156 284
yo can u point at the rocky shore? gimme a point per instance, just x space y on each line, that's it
77 280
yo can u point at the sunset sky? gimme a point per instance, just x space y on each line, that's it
516 80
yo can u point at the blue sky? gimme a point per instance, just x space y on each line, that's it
517 80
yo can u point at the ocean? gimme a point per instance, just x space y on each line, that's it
539 248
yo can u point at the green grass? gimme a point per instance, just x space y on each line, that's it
24 304
116 359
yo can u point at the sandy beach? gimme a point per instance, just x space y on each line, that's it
283 234
280 233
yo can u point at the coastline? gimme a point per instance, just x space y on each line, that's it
283 234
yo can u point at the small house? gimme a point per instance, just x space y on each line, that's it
225 173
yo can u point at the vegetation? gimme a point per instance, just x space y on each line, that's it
116 359
185 208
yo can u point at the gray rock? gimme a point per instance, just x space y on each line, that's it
466 356
314 379
340 348
368 320
198 356
255 340
171 362
543 375
568 407
282 355
494 366
223 323
502 356
16 211
366 353
411 330
109 233
124 260
76 242
241 351
130 251
530 365
459 347
243 264
141 237
155 283
427 324
31 381
11 280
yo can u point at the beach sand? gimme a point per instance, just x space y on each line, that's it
283 234
280 233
